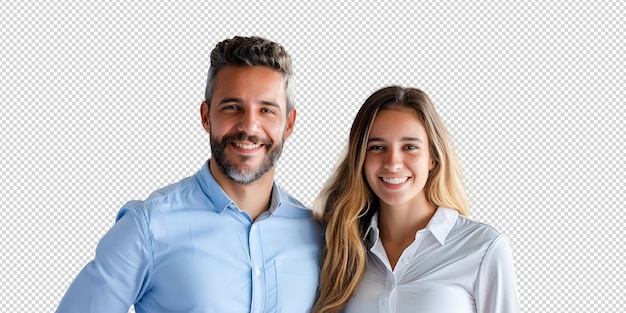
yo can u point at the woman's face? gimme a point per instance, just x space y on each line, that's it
397 160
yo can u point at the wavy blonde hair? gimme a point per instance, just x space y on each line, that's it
347 203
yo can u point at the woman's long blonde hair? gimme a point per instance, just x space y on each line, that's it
347 203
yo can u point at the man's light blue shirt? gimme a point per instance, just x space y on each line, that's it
188 248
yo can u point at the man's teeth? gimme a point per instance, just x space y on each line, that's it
246 146
394 180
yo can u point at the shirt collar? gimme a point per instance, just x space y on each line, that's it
275 198
220 199
371 239
439 225
442 222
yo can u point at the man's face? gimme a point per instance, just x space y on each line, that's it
247 121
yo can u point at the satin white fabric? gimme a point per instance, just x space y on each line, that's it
455 265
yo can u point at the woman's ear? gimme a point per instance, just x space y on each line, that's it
432 165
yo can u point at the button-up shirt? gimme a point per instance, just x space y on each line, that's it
454 265
188 248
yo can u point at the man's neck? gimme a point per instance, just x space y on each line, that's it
253 198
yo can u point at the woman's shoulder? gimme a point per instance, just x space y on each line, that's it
469 227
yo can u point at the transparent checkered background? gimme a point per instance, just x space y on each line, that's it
100 105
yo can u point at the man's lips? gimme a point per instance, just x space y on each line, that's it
243 141
246 146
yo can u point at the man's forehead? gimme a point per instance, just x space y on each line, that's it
261 84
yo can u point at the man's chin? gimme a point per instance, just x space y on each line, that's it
247 166
249 160
245 176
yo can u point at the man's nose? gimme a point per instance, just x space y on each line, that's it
249 122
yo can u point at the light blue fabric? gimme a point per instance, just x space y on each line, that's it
188 248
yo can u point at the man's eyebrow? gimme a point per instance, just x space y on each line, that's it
238 100
379 139
270 103
230 100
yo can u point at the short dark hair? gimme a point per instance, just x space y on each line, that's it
251 51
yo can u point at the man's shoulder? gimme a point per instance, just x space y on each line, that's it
292 206
182 194
184 185
290 200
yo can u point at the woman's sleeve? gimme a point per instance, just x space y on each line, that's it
496 286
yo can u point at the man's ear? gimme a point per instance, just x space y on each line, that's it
291 121
204 114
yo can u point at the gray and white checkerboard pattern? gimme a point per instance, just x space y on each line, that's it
100 105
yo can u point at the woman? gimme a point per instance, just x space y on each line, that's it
397 235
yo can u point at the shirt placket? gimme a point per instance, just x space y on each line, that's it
387 296
258 269
389 301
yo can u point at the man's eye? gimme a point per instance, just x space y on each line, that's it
267 111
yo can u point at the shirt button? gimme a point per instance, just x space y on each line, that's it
253 227
257 272
405 261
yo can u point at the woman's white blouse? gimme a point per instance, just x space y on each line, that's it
455 265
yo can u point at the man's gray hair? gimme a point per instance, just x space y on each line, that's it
251 51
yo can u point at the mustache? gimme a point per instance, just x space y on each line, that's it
241 136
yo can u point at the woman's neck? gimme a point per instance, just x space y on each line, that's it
398 225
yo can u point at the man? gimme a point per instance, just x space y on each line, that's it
227 239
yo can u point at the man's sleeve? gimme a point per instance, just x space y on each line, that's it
496 286
119 274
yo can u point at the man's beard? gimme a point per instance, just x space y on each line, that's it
242 175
